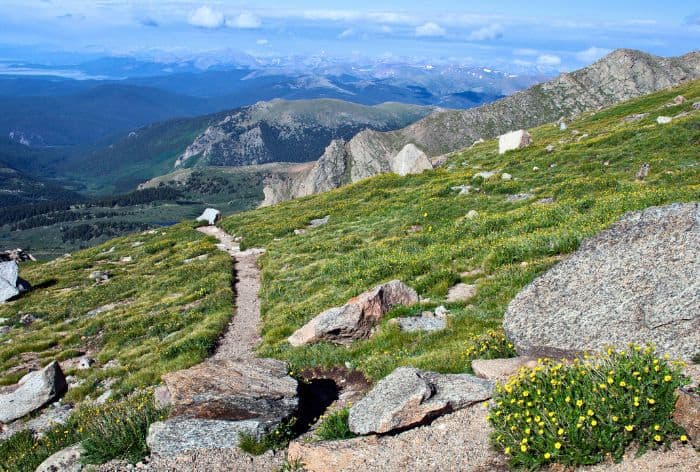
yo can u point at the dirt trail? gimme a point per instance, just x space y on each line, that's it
242 334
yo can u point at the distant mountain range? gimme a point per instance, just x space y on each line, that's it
621 75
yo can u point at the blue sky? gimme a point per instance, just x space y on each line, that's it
555 35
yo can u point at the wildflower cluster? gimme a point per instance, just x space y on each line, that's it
577 413
491 345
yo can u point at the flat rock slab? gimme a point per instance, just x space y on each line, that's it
182 435
357 317
638 281
456 442
408 397
9 272
461 293
65 460
412 324
210 216
233 390
499 370
32 392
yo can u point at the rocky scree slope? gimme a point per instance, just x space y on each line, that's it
290 131
619 76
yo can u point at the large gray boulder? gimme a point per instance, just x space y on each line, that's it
177 436
210 216
410 160
357 317
9 272
65 460
408 397
33 391
638 281
513 140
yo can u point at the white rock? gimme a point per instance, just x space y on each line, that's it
562 126
513 140
472 214
410 160
664 120
211 216
485 175
506 176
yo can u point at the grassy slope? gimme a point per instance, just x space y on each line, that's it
368 239
171 316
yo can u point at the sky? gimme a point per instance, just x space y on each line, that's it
551 35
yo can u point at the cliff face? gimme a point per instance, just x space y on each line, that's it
621 75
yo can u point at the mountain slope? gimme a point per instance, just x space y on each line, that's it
290 131
621 75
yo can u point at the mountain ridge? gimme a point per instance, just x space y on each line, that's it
621 75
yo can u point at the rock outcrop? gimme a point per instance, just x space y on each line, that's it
638 281
410 160
357 317
621 75
65 460
9 272
408 397
32 392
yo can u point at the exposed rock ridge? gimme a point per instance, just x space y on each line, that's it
621 75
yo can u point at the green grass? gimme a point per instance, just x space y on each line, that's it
576 414
369 238
335 426
115 430
275 440
167 314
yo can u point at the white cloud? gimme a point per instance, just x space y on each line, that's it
486 33
591 54
347 33
430 29
206 17
262 42
548 60
245 20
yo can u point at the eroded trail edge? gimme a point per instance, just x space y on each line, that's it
243 332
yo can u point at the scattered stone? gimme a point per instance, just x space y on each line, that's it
161 397
26 318
33 391
506 176
211 216
635 117
606 163
485 174
638 281
52 415
499 370
679 100
562 126
583 136
545 201
99 276
471 214
101 309
682 114
234 391
643 172
85 363
299 231
441 311
126 259
687 414
357 317
513 140
176 436
415 229
201 257
535 168
65 460
549 148
463 189
319 221
552 166
518 197
477 142
16 255
137 244
663 120
472 273
412 324
410 160
408 397
104 396
696 106
461 293
9 272
4 320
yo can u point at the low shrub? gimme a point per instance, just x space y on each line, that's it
275 440
577 413
117 430
335 426
493 344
